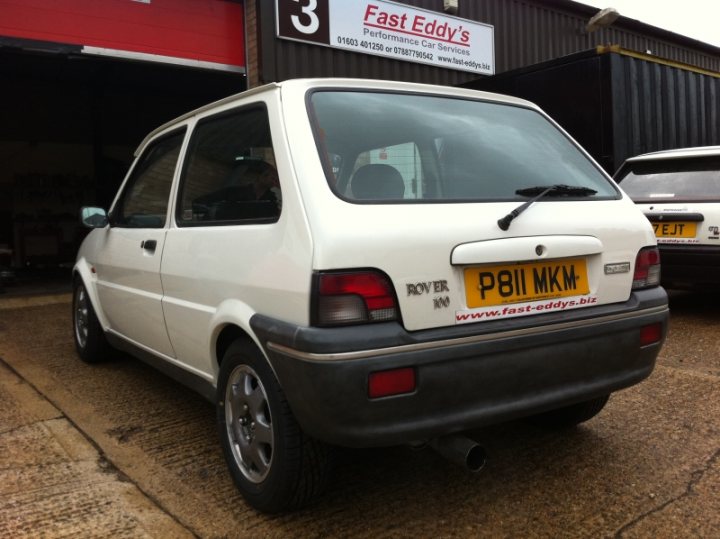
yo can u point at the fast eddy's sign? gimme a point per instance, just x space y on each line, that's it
389 29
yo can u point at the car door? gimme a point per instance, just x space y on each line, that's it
128 264
229 245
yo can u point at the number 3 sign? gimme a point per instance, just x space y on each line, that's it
304 20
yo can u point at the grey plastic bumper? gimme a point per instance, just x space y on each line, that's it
467 377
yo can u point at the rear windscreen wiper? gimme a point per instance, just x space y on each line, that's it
558 190
539 191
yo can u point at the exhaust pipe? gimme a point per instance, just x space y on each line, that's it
460 450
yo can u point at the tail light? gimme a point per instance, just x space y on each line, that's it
355 297
647 268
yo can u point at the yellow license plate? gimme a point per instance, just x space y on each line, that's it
514 283
675 229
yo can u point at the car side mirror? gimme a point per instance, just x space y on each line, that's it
93 217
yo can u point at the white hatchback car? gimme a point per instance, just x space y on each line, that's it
679 192
364 263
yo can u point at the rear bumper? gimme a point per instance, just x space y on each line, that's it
467 376
690 266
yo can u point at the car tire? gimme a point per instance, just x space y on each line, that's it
572 415
274 464
88 334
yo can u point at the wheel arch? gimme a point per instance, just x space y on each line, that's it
227 336
82 272
231 323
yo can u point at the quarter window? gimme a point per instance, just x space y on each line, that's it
145 198
230 175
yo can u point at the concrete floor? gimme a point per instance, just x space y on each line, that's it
34 282
118 449
54 482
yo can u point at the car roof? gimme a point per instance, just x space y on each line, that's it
344 83
679 153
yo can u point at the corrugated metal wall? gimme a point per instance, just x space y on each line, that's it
529 32
618 104
658 107
526 32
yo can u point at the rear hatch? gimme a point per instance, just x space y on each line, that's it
679 195
474 208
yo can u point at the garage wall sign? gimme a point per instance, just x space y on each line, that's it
389 29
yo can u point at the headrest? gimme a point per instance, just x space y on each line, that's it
377 182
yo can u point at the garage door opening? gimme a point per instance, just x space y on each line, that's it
71 124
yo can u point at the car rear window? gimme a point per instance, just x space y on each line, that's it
672 179
396 147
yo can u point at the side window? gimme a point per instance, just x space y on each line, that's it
390 173
144 201
230 175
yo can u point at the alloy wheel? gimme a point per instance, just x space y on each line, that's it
82 316
248 423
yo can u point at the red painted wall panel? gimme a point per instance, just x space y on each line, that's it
204 30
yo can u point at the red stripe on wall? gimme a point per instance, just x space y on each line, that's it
204 30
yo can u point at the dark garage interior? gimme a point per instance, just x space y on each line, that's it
71 123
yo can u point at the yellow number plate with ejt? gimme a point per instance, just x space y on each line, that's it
677 229
514 283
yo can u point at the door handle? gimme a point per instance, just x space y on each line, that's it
149 245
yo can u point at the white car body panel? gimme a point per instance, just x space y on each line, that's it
707 232
401 239
426 246
129 286
261 268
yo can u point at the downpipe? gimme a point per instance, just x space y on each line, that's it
460 450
